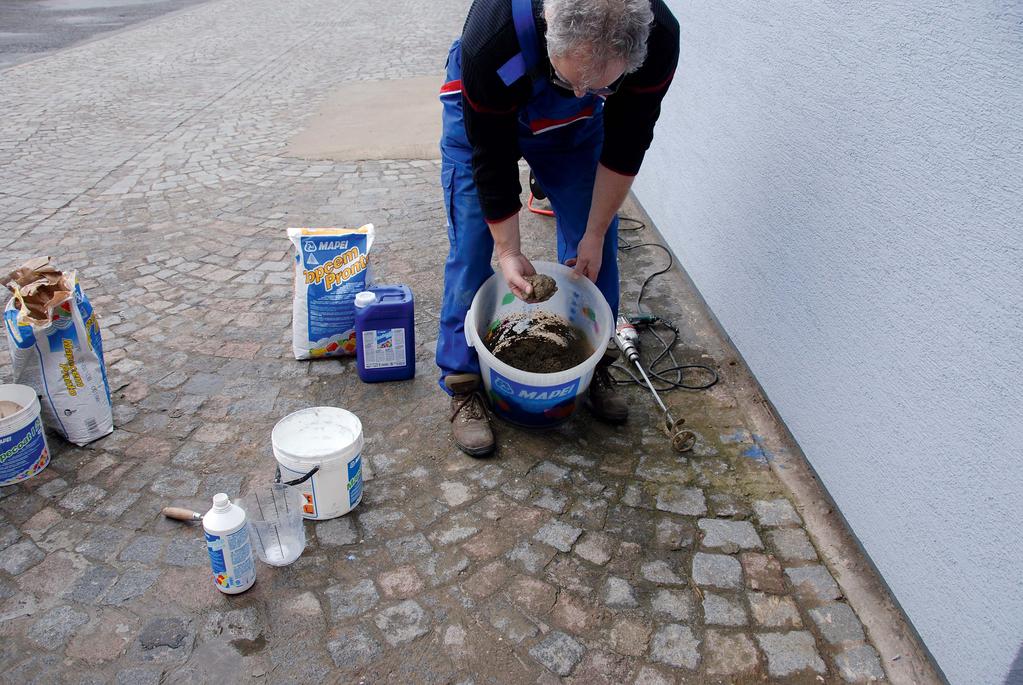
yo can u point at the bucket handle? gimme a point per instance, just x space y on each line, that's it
297 481
469 317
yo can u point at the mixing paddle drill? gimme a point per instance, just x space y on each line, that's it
627 339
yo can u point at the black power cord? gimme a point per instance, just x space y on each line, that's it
663 378
660 375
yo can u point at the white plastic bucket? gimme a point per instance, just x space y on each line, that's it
319 451
538 400
23 448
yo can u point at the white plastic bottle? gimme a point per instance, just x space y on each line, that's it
227 541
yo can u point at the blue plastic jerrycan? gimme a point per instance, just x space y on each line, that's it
385 333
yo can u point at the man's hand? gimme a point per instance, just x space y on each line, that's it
609 191
513 264
515 267
589 255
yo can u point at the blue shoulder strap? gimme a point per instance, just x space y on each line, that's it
525 63
525 29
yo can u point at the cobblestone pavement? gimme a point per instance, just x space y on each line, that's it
31 28
152 162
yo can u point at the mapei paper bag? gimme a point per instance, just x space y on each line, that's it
55 345
331 266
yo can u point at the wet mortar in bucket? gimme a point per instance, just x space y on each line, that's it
538 342
8 408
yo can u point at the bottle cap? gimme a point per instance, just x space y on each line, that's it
365 298
221 501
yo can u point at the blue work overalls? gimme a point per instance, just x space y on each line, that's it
561 139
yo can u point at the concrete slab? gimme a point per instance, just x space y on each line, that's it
392 119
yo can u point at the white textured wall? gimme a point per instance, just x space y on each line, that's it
842 180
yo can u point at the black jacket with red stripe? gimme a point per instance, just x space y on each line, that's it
491 108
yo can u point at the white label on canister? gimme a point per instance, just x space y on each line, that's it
383 348
231 559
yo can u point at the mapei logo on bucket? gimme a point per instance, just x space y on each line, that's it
532 405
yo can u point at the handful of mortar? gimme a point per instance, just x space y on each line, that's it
542 287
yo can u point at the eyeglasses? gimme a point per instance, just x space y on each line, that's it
561 82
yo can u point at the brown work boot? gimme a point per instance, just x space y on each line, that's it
604 401
470 423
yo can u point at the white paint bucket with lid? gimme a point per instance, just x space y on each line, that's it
319 451
23 448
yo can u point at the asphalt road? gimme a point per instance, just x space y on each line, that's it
32 28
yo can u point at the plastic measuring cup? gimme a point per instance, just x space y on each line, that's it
275 523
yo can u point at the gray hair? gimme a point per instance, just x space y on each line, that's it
601 30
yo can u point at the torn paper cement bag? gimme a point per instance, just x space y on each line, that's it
55 346
331 266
